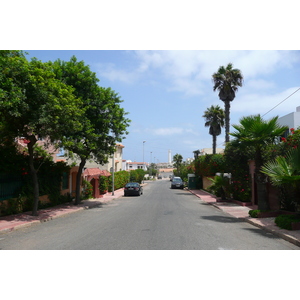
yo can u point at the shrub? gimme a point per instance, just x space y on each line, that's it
87 192
137 175
236 161
285 221
254 213
120 179
220 186
103 184
210 164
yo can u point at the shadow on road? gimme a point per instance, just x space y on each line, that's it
263 233
222 219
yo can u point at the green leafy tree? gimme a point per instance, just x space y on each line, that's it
103 121
226 81
33 103
253 131
214 119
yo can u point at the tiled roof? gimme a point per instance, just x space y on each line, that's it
95 172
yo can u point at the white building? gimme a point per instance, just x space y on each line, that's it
136 165
118 157
210 151
292 120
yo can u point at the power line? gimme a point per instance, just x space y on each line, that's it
282 101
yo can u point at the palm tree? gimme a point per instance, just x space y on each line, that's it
284 172
226 81
255 132
177 159
214 120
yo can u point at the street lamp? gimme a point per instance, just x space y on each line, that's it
150 163
143 158
113 175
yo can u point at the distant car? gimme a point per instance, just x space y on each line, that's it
159 177
133 188
177 183
171 177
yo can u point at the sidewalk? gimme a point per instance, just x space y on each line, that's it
242 212
9 223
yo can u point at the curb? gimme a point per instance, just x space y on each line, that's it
82 206
282 235
255 222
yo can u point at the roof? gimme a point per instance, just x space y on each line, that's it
95 172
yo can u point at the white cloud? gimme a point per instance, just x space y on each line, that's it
168 131
254 103
113 73
190 72
260 84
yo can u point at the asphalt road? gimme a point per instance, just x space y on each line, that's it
162 218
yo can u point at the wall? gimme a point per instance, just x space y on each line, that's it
206 181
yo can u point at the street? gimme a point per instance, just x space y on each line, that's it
160 219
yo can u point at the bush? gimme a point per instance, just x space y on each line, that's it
210 164
220 186
103 184
254 213
285 221
237 163
87 192
137 175
120 179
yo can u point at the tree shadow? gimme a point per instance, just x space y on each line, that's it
263 233
222 219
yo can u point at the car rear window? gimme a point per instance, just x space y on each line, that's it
132 184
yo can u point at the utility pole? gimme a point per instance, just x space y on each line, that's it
143 158
113 175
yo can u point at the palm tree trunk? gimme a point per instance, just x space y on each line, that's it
260 178
227 120
214 143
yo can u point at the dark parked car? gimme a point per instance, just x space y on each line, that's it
133 188
177 183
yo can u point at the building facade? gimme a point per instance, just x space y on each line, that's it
292 120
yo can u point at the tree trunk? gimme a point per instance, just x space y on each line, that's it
214 143
78 181
227 120
260 178
34 176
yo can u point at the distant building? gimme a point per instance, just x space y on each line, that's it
209 151
292 120
108 166
136 165
189 160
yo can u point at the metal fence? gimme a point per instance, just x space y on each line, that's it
10 185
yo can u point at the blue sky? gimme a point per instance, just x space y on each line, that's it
143 53
166 92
